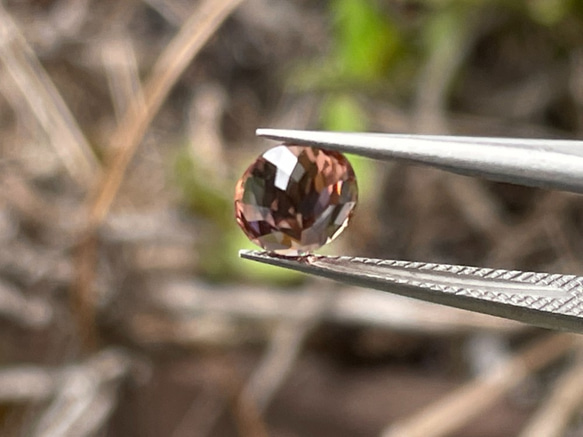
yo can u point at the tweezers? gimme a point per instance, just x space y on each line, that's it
543 299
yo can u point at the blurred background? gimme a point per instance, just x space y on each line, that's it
124 309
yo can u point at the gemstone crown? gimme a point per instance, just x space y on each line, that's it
294 199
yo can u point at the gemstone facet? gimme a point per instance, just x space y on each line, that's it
294 199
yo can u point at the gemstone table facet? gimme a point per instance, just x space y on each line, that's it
294 199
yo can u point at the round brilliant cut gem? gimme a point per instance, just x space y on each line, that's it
294 199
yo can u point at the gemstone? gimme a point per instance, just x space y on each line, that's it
294 199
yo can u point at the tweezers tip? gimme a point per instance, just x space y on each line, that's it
246 253
263 256
257 255
286 135
266 132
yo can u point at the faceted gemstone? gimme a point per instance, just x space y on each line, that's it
295 199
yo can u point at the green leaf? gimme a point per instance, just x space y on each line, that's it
341 112
365 39
549 12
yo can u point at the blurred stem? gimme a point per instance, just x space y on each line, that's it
450 413
448 36
124 142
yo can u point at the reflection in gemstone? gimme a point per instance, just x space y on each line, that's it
295 199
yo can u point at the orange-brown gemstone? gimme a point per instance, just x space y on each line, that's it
295 199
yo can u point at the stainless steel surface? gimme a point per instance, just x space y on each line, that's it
548 300
556 164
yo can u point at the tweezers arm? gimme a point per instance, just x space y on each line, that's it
555 164
549 300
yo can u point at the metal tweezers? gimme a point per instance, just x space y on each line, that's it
548 300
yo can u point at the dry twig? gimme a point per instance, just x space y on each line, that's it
278 360
204 413
444 61
85 398
45 102
195 32
553 416
29 312
454 411
119 59
187 300
284 348
173 12
26 384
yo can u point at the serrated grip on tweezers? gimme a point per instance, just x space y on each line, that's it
549 300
